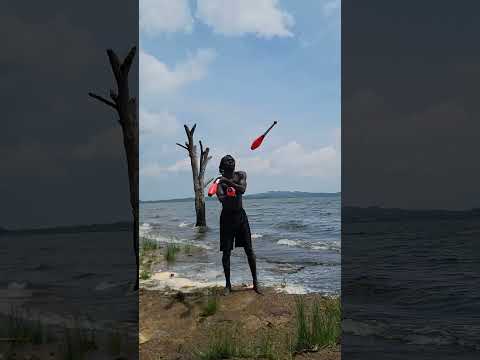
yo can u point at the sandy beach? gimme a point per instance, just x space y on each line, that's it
173 324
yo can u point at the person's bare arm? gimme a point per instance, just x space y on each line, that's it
240 185
221 195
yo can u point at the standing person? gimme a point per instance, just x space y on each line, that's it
234 224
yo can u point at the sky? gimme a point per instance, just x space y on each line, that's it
62 156
233 67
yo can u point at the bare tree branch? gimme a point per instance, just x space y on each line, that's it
183 146
125 67
113 95
102 99
115 63
201 154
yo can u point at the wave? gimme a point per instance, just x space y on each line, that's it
292 289
327 246
83 276
106 285
287 242
174 240
411 335
257 236
291 225
144 228
184 224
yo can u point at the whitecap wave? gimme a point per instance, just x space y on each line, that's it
184 224
291 289
257 236
144 228
105 285
320 247
174 240
287 242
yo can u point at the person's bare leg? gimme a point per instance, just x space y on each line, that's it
252 262
226 270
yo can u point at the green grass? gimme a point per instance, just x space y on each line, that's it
145 274
78 342
265 348
23 330
171 252
228 343
223 344
321 327
211 306
147 245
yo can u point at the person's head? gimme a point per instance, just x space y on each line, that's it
227 165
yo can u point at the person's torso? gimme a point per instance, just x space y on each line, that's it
232 204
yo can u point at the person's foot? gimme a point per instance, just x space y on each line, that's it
257 289
227 290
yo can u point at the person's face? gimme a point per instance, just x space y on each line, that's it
228 167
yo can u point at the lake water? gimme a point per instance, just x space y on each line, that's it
58 277
410 284
296 240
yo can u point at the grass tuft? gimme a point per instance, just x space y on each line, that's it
147 244
228 343
223 344
211 306
77 342
145 274
171 253
321 328
21 329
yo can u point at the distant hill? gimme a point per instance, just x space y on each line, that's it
118 226
265 195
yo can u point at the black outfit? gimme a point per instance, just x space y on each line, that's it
234 228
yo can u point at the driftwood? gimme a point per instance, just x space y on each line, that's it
198 173
127 109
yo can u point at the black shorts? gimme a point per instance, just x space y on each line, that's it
234 229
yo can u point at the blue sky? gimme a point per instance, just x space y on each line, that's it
233 67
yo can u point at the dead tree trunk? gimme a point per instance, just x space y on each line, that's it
198 173
126 108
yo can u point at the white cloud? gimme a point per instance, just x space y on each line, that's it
157 77
157 16
238 17
294 159
159 124
155 169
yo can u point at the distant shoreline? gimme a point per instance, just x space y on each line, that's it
265 195
72 229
